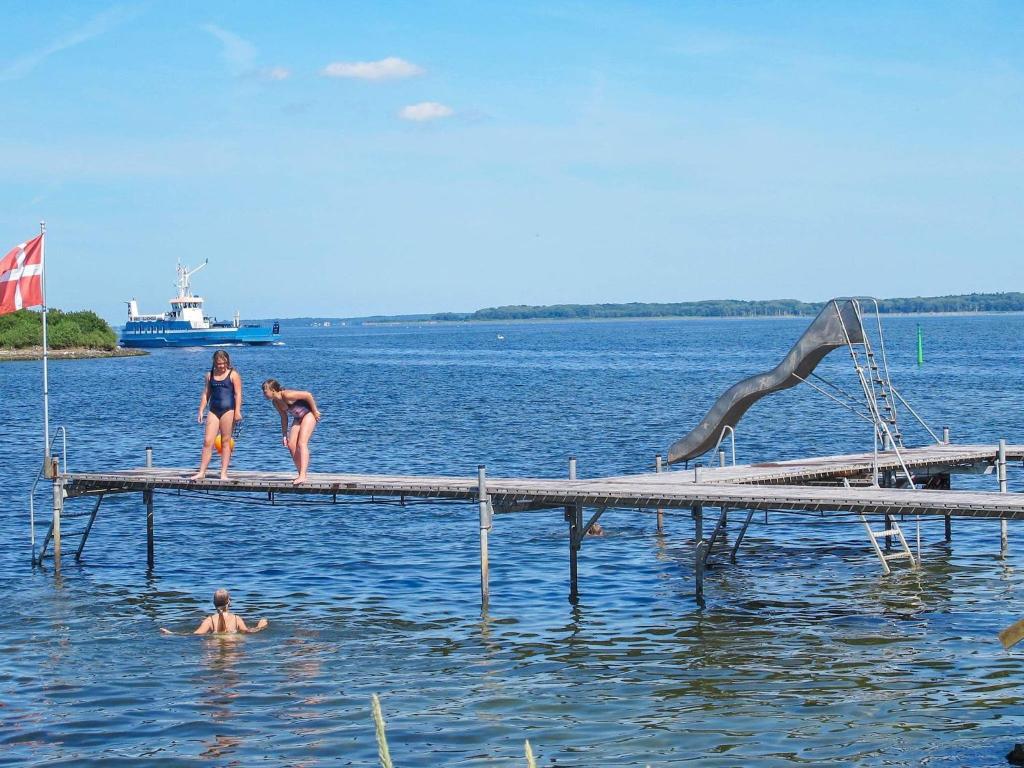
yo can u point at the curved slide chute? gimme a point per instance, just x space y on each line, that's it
837 325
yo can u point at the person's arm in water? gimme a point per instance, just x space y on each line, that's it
204 628
298 394
260 625
282 411
204 398
236 382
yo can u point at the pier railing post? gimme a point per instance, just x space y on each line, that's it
485 526
661 512
1001 472
149 457
147 497
945 435
58 508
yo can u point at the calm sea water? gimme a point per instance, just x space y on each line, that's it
804 654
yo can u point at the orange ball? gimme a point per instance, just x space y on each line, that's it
219 447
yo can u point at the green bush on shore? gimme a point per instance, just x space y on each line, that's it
64 330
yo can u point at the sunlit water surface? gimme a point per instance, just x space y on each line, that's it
805 654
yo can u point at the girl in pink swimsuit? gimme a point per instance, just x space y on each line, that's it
301 407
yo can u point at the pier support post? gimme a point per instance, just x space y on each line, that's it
58 508
700 554
574 515
1001 473
698 522
147 497
661 512
949 527
485 527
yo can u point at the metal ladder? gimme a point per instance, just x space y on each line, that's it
879 377
885 558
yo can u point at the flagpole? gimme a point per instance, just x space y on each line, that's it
46 381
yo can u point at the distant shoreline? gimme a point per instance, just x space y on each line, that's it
71 353
958 305
353 323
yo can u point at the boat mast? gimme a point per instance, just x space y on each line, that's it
184 273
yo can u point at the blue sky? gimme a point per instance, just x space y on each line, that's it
357 158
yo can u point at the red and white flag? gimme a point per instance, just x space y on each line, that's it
21 277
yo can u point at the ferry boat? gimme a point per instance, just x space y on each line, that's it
186 325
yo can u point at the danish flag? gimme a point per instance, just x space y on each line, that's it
21 276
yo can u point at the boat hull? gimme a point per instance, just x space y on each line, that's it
195 337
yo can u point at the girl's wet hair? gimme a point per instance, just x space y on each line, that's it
221 599
273 385
220 602
220 354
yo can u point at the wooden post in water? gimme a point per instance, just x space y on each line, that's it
1001 473
485 527
698 522
661 512
147 498
58 507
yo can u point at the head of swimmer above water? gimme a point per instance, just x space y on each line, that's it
221 600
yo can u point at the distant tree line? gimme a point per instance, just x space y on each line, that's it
974 302
64 330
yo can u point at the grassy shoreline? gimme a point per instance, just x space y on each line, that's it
70 353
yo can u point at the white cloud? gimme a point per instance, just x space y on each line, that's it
238 53
391 68
424 111
95 27
240 56
276 73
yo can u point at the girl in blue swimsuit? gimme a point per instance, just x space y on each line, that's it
222 391
301 407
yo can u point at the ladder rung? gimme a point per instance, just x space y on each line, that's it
890 532
896 556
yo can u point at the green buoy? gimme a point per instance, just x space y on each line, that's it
920 345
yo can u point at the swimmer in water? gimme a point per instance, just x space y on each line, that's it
223 622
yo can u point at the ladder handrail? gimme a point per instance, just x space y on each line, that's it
721 437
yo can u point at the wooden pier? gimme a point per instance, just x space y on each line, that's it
831 484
